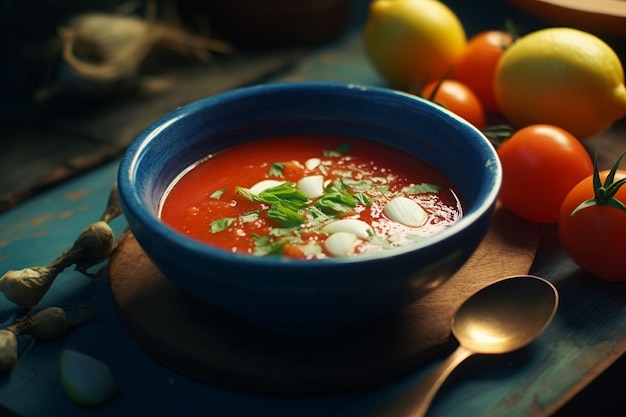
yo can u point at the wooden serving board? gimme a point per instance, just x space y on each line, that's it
199 341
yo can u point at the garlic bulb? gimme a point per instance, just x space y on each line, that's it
98 240
48 323
406 211
108 47
26 287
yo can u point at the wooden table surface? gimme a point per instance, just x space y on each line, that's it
570 367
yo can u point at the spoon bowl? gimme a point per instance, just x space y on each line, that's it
500 318
506 315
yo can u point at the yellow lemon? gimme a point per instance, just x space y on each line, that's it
412 42
561 76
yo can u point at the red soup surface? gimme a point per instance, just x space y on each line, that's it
310 197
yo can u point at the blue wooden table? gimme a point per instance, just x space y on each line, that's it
587 336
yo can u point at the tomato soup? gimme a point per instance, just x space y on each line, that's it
310 197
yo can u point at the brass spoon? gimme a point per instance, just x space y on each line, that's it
502 317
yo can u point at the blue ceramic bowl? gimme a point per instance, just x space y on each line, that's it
321 295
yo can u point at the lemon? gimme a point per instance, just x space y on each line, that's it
412 42
561 76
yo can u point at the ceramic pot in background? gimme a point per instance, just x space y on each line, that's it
272 23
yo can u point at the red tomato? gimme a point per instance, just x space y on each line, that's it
541 164
458 98
477 65
593 237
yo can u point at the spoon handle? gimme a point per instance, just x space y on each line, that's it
417 399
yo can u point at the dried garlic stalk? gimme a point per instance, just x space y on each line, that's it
113 208
26 287
49 323
107 47
94 244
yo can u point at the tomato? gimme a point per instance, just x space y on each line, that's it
458 98
593 237
477 66
541 164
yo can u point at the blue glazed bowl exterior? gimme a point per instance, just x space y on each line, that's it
308 296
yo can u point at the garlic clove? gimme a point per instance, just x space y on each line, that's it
261 186
48 323
312 163
406 211
312 186
359 228
340 244
26 287
86 380
8 349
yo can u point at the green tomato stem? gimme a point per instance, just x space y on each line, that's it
604 194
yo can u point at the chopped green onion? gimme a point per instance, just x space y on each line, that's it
277 169
383 189
336 199
282 231
263 245
285 194
250 216
379 241
360 185
416 238
217 194
285 201
340 150
285 215
245 192
420 188
316 216
311 249
260 240
363 199
220 225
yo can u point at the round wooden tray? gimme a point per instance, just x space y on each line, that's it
201 342
606 17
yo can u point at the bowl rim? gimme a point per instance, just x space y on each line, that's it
132 202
